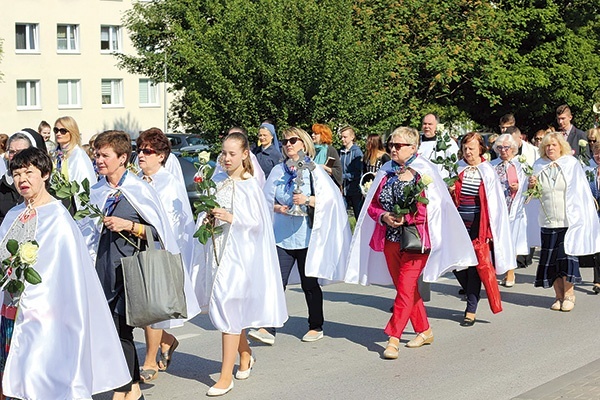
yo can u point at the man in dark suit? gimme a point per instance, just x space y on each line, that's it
572 134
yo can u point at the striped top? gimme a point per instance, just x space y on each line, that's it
469 206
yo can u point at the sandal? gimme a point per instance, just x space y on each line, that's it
147 375
165 357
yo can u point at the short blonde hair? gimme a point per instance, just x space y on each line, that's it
564 146
309 147
410 135
70 125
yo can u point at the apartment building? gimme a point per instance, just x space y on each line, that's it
58 59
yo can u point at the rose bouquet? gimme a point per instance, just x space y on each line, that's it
207 201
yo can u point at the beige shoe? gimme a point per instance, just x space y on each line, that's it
420 340
391 351
312 336
556 306
568 304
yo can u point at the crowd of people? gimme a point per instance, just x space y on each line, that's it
425 205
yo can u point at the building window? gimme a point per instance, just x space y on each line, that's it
112 92
110 39
26 37
28 95
69 93
67 38
148 93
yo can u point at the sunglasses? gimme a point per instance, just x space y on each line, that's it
592 141
292 141
537 139
62 131
398 146
146 151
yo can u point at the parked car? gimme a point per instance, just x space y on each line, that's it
181 140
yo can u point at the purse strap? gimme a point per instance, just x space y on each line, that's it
150 239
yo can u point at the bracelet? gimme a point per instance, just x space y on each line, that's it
132 227
140 230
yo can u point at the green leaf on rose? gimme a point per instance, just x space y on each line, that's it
32 276
12 246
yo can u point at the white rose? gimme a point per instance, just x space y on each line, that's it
522 159
28 253
203 157
426 179
583 143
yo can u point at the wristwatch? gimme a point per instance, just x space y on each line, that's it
307 202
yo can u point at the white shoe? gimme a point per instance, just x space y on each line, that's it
214 392
241 375
263 337
312 336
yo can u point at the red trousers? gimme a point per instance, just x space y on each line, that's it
405 269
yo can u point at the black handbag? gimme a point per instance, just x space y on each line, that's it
153 282
410 240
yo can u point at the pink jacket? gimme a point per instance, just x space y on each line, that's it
375 211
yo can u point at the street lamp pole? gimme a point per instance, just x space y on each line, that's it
165 106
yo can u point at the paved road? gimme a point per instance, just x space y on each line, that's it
526 352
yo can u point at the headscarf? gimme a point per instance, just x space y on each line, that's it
271 129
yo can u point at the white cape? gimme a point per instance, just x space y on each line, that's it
331 235
80 167
583 234
64 345
173 166
504 253
146 202
174 200
245 289
451 246
517 214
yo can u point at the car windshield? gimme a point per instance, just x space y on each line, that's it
194 140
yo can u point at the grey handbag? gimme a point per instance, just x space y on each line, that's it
153 281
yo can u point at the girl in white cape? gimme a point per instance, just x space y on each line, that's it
241 288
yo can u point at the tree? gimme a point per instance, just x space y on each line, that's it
239 61
375 64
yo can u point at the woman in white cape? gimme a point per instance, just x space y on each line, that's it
374 256
318 244
129 205
69 158
513 181
237 277
482 207
153 149
64 317
568 220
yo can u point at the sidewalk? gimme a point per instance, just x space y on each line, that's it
581 384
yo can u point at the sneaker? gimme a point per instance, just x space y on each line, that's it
261 336
312 336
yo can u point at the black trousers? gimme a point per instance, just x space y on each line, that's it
471 283
310 285
355 201
597 268
125 333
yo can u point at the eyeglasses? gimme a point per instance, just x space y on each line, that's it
291 141
398 146
146 151
503 148
537 139
62 131
592 141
